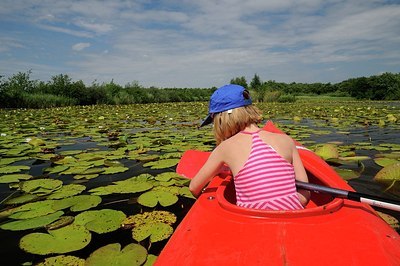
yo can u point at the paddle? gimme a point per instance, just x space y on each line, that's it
192 161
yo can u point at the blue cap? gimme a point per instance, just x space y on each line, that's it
225 98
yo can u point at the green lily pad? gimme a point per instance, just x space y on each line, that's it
385 161
327 151
77 203
151 198
32 223
66 160
111 254
36 142
13 178
30 210
162 164
156 225
67 191
21 199
151 259
13 169
41 187
115 170
61 222
66 239
389 173
185 192
62 260
100 221
347 174
83 176
354 158
56 169
156 231
131 185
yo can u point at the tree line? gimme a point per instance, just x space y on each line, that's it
20 91
378 87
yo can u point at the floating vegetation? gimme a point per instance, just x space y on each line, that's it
155 224
111 254
70 173
60 241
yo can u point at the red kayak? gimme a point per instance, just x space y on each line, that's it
330 231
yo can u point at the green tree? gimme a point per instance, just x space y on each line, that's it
60 85
255 83
239 81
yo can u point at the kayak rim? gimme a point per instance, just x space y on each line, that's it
225 189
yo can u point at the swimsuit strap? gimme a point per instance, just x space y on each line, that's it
251 133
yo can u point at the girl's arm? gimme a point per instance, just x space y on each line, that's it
210 169
301 175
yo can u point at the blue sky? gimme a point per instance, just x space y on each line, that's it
199 43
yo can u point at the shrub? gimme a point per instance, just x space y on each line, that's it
287 98
45 100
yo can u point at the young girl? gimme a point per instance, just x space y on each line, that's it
264 164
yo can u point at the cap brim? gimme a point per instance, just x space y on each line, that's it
207 121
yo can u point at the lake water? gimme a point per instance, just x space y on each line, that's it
178 122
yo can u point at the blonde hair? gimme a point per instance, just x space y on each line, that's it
229 123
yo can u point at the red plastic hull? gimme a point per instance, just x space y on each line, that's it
330 231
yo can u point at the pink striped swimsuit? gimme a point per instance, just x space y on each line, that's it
267 180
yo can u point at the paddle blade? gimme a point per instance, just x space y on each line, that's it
191 162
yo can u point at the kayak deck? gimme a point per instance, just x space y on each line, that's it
329 231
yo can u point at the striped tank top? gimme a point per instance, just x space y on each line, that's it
267 180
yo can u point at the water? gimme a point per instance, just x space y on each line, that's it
12 255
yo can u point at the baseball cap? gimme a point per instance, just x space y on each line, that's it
226 98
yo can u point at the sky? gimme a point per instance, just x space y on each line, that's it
199 43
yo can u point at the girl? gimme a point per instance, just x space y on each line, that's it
264 164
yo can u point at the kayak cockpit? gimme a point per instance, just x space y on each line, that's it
319 202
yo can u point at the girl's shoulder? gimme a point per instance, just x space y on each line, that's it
276 138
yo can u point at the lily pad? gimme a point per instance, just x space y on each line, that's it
13 178
66 239
100 221
111 254
13 169
389 173
327 151
56 169
67 191
21 199
61 222
156 225
152 198
62 260
162 164
151 259
41 187
347 174
77 203
115 170
30 210
385 161
131 185
156 231
31 223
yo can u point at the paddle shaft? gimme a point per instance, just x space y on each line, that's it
350 195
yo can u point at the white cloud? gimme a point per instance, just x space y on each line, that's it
80 46
99 28
203 42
